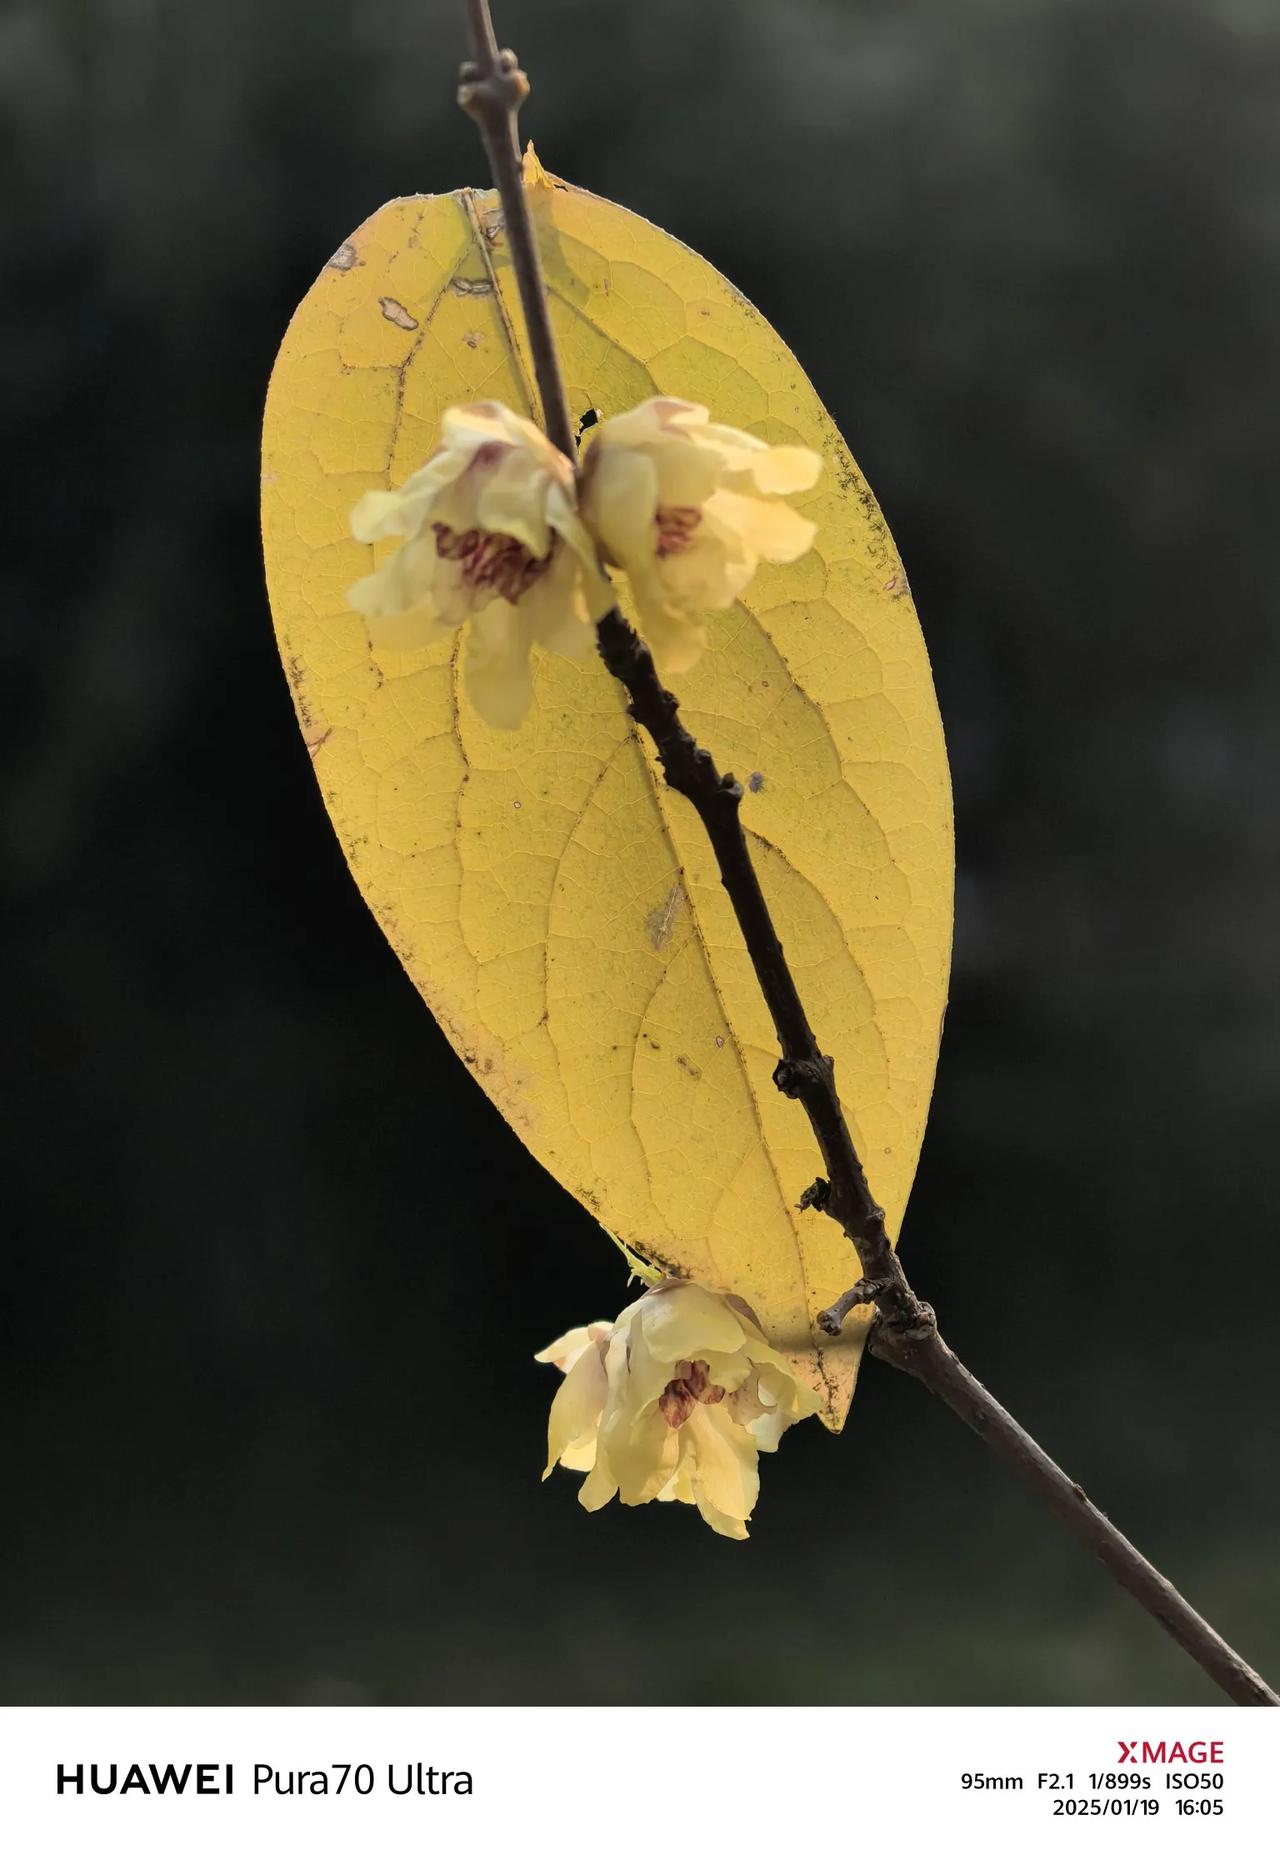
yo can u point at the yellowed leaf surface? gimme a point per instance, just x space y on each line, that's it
555 905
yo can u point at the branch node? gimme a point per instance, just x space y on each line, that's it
866 1291
494 94
817 1195
916 1322
907 1325
794 1077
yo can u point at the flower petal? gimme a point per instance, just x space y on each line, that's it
771 529
566 1349
406 579
619 502
467 428
580 1456
784 469
562 514
687 473
512 500
576 1409
642 1453
710 572
684 1322
717 1520
678 642
651 421
407 630
496 665
726 1477
382 513
599 1488
557 618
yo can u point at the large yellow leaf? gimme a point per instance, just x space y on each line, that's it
556 906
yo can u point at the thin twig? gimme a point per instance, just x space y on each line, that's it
905 1331
491 89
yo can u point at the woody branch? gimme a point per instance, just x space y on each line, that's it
904 1332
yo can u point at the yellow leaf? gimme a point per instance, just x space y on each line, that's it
557 907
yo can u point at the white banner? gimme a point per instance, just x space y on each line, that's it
697 1779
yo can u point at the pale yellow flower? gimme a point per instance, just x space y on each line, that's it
491 537
673 1402
688 509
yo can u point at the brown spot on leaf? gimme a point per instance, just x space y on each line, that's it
694 1072
344 258
660 923
492 223
756 781
397 313
471 285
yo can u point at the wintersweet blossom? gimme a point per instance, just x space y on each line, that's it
491 537
673 1402
688 509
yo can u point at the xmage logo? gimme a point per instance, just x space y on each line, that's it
1171 1753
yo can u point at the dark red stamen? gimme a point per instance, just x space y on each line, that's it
492 561
688 1387
676 527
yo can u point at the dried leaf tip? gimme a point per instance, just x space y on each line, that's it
532 172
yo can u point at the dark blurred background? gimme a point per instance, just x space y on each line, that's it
274 1268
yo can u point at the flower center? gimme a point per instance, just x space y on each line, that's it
492 561
676 527
688 1387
